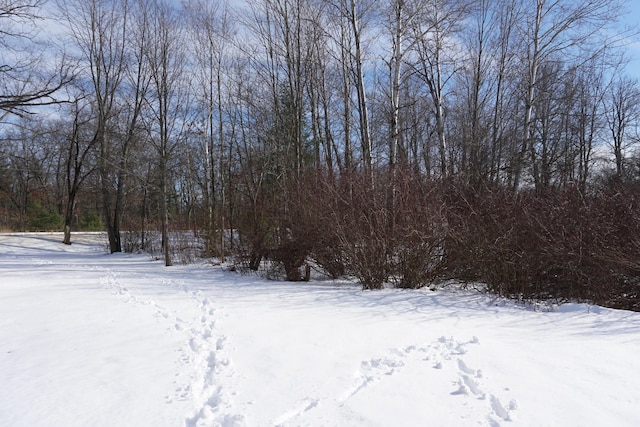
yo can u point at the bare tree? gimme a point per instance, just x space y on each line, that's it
167 99
28 77
99 29
622 112
399 24
350 31
583 123
354 16
505 83
30 161
433 31
318 66
77 168
553 28
475 85
345 43
211 29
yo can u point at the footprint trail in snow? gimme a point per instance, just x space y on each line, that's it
206 352
202 359
444 354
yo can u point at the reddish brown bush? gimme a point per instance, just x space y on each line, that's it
392 231
557 245
561 245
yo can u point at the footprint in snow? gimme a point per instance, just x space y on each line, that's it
305 405
203 354
469 381
376 369
446 354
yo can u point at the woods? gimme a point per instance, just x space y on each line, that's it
399 141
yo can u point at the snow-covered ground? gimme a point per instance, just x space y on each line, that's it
90 339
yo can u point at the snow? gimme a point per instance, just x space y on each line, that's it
93 339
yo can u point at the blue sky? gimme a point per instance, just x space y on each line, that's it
633 18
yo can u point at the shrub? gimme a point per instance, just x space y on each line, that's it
560 245
392 231
418 230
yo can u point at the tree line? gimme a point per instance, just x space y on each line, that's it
403 141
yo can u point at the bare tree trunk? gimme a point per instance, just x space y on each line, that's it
75 173
346 98
435 27
221 152
397 28
165 59
395 73
621 111
507 19
532 74
363 109
476 172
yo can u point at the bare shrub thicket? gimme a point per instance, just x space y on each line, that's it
417 231
409 232
560 245
379 231
186 247
281 227
382 231
294 229
615 233
360 227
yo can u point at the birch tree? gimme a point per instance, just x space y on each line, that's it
355 14
550 29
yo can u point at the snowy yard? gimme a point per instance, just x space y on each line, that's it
90 339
